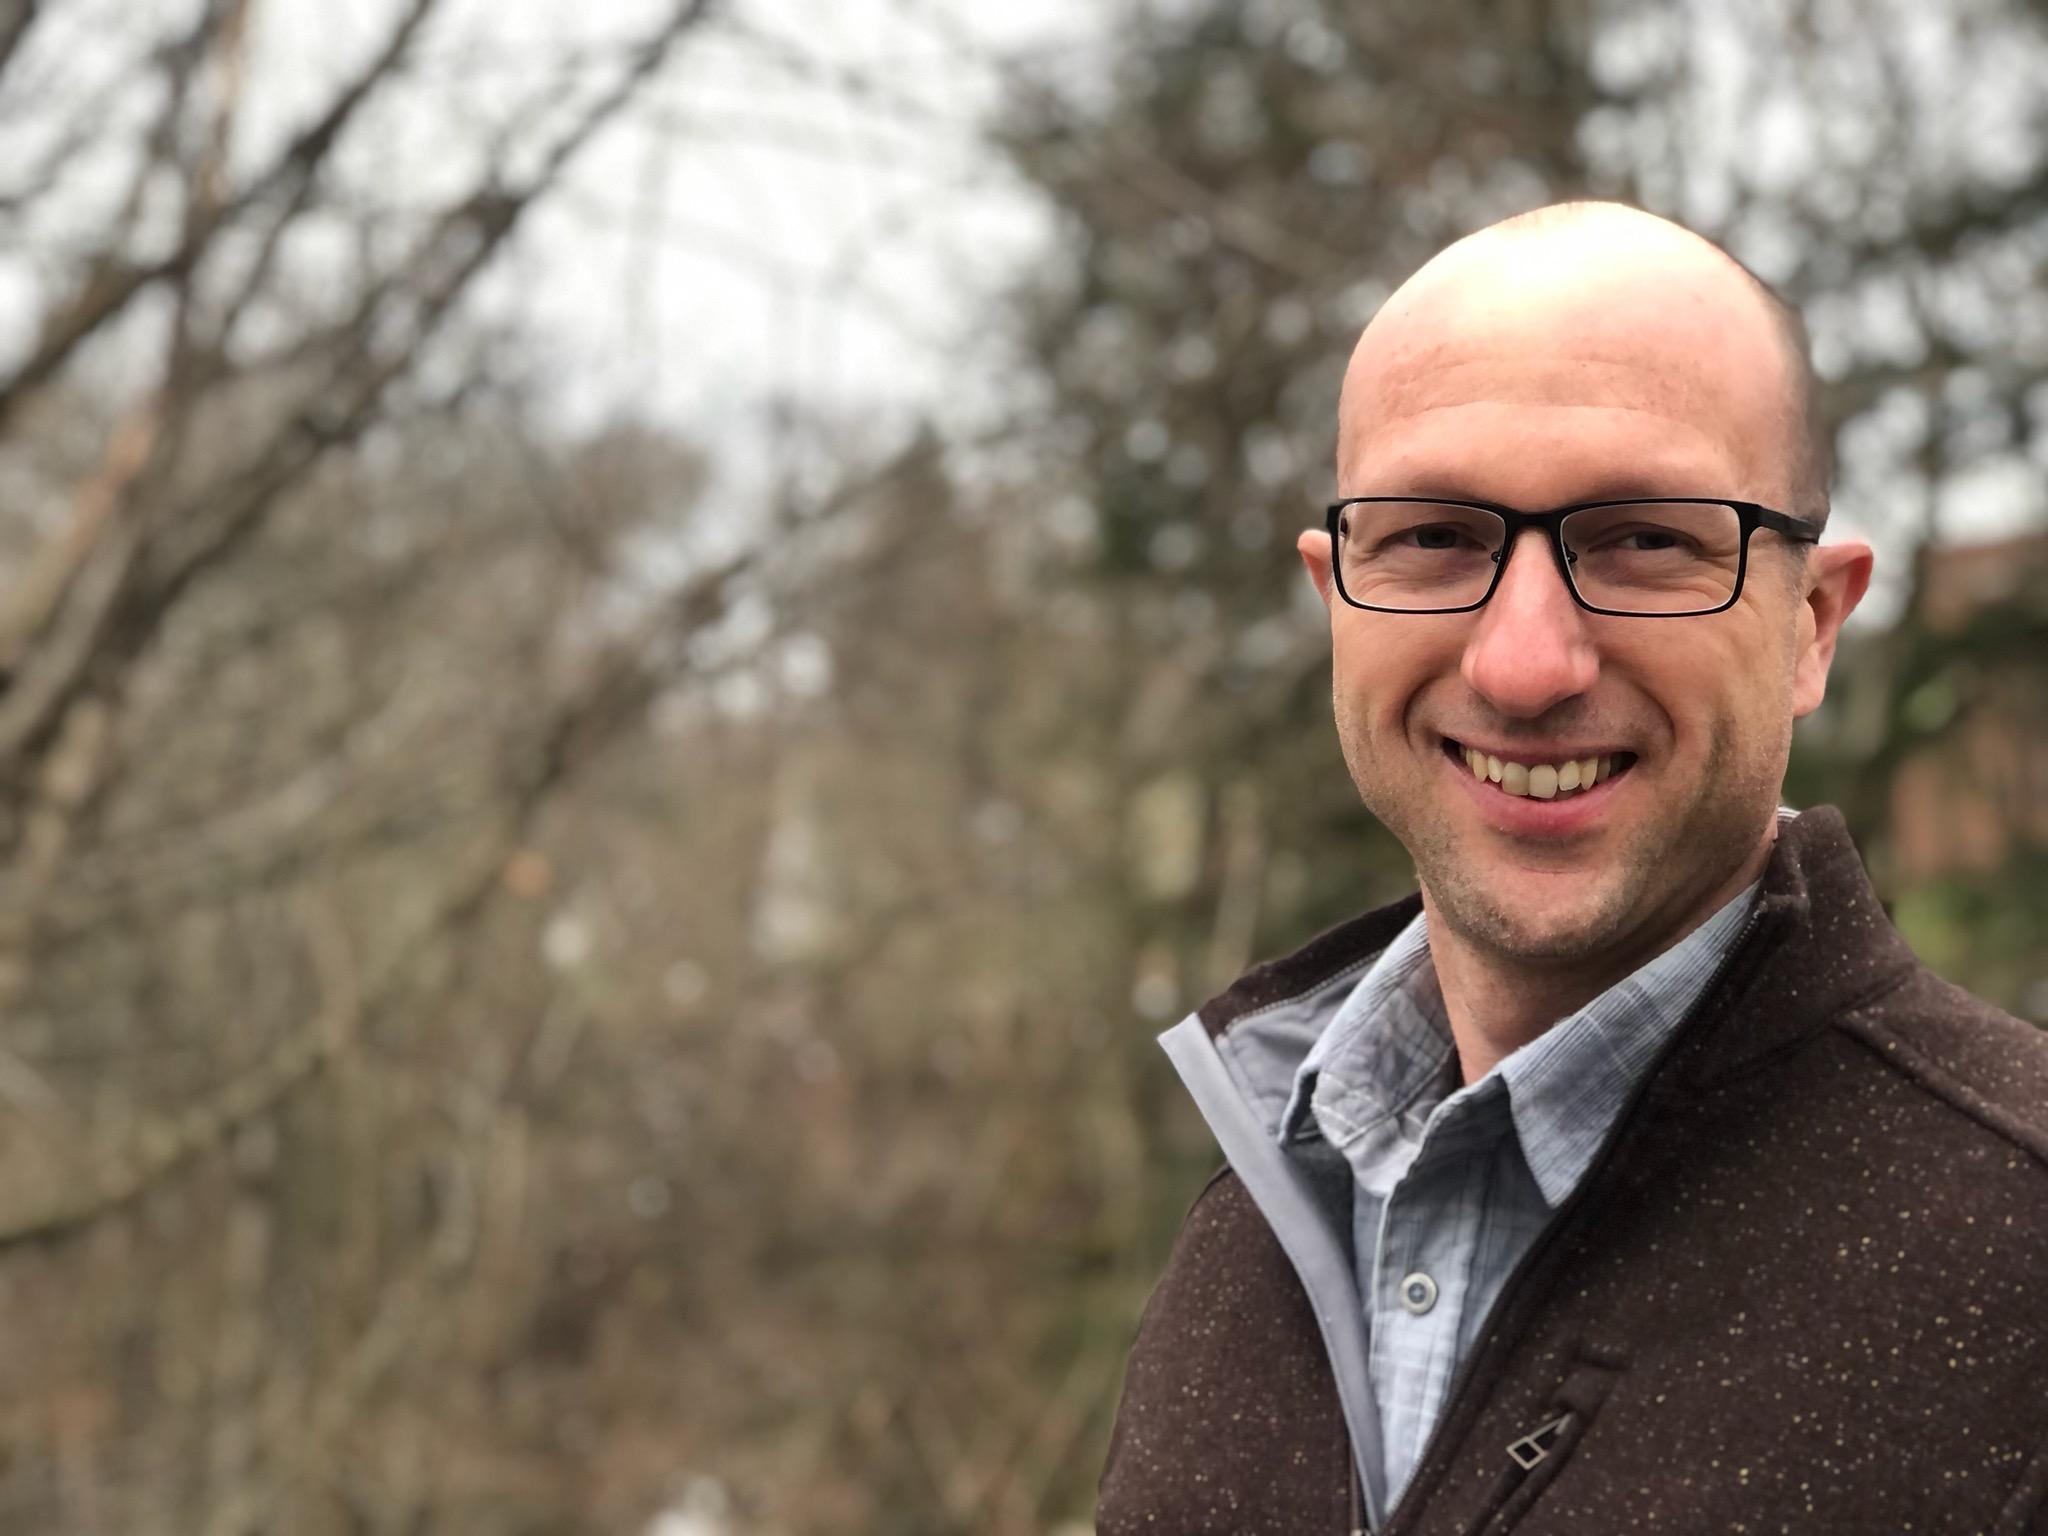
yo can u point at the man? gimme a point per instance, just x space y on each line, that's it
1633 1175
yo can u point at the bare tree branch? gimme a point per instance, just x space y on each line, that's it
108 289
16 17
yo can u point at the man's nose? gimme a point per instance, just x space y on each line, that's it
1531 649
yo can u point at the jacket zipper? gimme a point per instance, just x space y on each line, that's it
1512 1492
1468 1367
1534 1447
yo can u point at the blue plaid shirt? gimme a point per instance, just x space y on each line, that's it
1453 1183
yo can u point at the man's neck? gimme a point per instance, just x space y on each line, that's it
1498 1003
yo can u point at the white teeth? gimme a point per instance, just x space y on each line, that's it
1542 781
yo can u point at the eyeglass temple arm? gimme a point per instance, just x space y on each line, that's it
1792 527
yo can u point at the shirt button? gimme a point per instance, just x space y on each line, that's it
1418 1293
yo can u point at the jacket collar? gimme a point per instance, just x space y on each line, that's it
1820 945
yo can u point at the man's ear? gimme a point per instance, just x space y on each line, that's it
1835 578
1314 546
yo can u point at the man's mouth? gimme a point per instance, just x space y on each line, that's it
1540 780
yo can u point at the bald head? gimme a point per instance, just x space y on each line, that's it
1577 293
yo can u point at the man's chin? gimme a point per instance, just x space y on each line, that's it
1536 919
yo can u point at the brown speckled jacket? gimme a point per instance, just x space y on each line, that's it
1803 1287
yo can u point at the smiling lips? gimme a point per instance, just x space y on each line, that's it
1542 781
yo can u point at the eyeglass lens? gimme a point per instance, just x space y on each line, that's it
1633 558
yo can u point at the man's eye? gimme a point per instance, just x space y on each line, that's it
1644 539
1435 536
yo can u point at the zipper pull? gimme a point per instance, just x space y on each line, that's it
1534 1446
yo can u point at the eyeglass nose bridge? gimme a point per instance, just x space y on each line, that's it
1550 525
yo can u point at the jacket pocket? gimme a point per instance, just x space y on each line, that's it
1535 1457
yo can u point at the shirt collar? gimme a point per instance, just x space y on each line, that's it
1389 1035
1567 1085
1388 1053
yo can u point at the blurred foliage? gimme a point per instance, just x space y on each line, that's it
518 1016
1985 927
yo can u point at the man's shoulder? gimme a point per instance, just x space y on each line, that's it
1986 1066
1845 967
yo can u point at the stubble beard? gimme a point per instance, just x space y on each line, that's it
1669 864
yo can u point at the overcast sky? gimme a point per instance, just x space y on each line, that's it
804 208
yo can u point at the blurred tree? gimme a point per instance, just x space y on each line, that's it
305 627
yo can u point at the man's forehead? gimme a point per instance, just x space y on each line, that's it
1519 369
1630 316
1622 450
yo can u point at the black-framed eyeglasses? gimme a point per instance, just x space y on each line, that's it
1657 556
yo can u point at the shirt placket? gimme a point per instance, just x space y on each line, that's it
1422 1272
